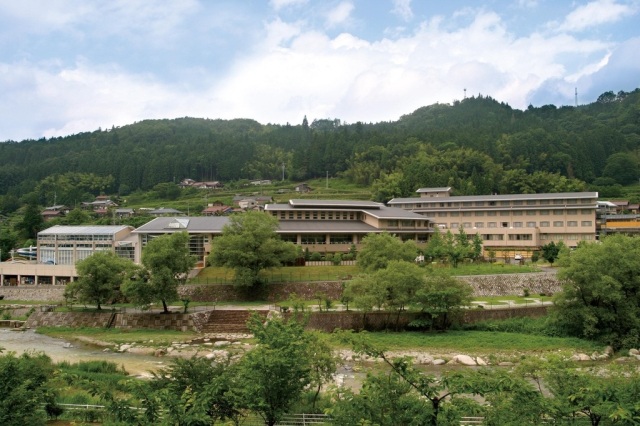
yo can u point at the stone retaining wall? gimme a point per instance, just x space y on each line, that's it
69 319
483 285
325 321
157 321
41 293
126 321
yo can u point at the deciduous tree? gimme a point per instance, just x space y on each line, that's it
601 297
248 245
380 249
100 277
167 262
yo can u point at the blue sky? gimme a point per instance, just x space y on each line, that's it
70 66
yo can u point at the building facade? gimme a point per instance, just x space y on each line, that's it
333 226
513 223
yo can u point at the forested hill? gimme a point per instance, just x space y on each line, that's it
477 145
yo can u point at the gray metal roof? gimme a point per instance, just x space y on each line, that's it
204 224
325 226
395 213
524 197
164 210
83 230
427 190
349 204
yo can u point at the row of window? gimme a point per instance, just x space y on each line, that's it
542 224
66 237
512 213
503 203
322 215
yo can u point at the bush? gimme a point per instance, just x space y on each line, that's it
336 259
315 257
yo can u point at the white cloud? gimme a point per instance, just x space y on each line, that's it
402 8
340 14
295 69
280 4
595 13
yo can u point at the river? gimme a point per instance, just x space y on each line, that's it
62 350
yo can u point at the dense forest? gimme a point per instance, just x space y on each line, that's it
477 146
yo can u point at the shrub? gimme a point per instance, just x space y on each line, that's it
315 257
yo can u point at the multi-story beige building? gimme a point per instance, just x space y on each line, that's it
513 223
334 225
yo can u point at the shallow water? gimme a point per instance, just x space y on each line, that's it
63 350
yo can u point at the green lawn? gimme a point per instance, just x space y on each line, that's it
478 342
219 275
120 336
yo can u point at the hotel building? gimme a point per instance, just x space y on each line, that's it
510 224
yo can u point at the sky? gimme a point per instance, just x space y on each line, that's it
72 66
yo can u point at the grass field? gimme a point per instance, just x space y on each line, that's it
119 336
218 275
477 342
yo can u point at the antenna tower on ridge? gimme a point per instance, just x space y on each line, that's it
465 93
576 96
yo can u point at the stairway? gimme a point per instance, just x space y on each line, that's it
229 321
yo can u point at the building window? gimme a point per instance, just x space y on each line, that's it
392 223
572 223
466 225
479 203
573 201
544 212
504 224
586 223
517 213
340 239
290 215
455 214
442 214
587 211
504 213
466 214
517 202
544 223
531 212
322 215
531 224
532 202
492 213
504 203
479 213
558 202
520 237
572 212
454 225
479 225
517 224
558 212
307 215
466 204
492 225
558 224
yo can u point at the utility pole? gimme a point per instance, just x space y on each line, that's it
327 179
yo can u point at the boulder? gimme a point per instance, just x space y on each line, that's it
439 361
580 357
463 360
124 348
221 343
481 361
633 352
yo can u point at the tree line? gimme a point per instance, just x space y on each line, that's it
477 145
